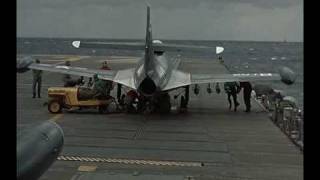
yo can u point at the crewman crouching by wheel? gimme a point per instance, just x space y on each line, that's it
130 100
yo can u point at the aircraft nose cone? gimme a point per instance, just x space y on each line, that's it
287 75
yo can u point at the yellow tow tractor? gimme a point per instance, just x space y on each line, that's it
67 97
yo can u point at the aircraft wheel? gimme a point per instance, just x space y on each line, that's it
54 106
164 105
103 109
182 102
183 105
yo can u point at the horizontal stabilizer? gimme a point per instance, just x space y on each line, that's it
219 49
109 45
141 46
185 48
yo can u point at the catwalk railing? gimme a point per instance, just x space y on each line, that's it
287 116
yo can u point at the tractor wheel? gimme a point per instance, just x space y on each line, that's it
54 106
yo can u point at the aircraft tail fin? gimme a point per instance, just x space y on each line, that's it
148 44
148 29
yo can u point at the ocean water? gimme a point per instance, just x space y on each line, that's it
239 56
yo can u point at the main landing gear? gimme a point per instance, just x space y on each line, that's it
184 100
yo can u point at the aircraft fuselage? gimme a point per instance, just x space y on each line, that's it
152 77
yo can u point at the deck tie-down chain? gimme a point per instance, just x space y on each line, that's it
130 161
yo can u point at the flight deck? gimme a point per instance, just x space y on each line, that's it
207 142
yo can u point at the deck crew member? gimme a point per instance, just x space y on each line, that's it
68 81
130 99
108 84
66 77
90 82
247 88
37 74
232 88
99 88
98 91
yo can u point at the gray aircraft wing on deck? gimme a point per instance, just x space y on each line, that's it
180 78
213 78
177 79
124 77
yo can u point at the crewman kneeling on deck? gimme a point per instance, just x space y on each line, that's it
130 100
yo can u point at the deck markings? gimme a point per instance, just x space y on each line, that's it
87 168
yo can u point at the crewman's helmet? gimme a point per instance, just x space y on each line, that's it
37 61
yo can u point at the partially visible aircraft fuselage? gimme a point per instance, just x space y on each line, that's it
154 69
152 77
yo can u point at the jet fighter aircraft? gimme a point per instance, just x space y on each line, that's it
154 75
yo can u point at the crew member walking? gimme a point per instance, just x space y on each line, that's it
232 88
247 88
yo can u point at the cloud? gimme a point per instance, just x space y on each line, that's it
170 4
171 19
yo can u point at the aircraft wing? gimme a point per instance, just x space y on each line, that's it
124 77
180 79
212 78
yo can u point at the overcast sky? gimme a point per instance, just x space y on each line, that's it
258 20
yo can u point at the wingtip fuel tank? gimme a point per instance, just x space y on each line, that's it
37 148
287 75
23 64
